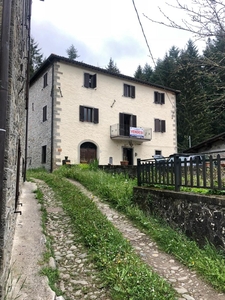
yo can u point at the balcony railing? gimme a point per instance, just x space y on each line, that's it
139 134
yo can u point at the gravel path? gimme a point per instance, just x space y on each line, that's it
78 278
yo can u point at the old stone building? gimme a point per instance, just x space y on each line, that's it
14 57
85 112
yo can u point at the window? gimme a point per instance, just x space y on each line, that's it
129 91
159 98
45 113
90 81
158 152
88 114
127 121
45 80
160 125
44 154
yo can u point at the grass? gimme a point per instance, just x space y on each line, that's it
120 269
117 191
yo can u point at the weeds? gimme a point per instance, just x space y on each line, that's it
117 190
121 270
13 287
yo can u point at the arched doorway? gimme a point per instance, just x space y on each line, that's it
88 152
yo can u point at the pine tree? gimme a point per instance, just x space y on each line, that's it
112 67
139 73
36 57
72 52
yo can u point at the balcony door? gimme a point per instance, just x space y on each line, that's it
127 121
88 152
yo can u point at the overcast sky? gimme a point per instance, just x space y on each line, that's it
102 29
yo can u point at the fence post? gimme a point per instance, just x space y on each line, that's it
177 166
139 172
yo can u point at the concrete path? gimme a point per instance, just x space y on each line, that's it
25 282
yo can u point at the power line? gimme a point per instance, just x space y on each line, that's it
150 52
144 34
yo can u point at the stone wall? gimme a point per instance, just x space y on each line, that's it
199 217
15 131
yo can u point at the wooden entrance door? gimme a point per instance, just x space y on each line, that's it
88 152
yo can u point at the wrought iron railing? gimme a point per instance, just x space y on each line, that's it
207 172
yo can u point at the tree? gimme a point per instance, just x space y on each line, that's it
144 73
36 57
139 73
204 18
193 113
72 52
112 67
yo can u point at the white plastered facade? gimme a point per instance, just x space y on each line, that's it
63 96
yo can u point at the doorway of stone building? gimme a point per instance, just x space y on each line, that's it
88 152
128 155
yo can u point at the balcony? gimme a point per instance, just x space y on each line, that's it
135 134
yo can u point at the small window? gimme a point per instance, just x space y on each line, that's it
129 91
159 98
90 81
158 152
45 113
44 154
45 80
88 114
160 125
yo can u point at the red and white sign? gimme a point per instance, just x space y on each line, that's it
137 132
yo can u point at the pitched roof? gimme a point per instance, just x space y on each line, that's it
206 143
54 58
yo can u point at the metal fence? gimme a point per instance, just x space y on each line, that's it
207 172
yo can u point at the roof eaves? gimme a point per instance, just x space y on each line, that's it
53 58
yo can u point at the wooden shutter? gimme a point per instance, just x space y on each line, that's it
94 81
133 121
157 125
156 97
162 98
86 80
81 113
132 90
95 115
121 125
163 126
125 90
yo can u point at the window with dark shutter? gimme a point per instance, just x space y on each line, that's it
90 81
159 98
44 154
88 114
45 80
45 113
129 91
160 125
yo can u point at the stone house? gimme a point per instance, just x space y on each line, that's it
83 112
14 53
215 144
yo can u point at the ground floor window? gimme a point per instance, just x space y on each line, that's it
44 154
